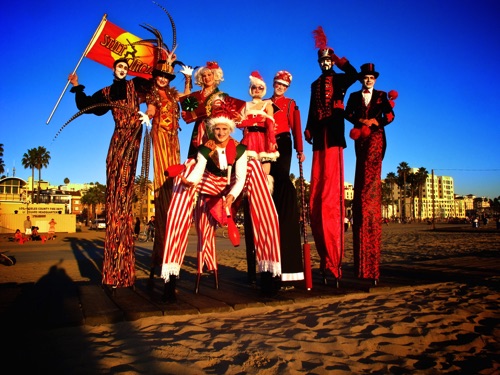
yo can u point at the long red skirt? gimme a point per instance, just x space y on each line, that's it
327 207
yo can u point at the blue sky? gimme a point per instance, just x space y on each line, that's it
441 56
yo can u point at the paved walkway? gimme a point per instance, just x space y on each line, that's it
57 283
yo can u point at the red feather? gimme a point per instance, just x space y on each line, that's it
320 39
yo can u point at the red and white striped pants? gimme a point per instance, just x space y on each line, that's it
262 211
179 220
264 219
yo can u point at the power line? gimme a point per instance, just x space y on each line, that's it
466 170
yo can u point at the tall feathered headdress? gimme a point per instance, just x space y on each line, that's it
321 42
165 57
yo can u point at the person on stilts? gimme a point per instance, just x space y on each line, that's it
325 131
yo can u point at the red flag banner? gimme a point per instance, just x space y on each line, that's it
112 42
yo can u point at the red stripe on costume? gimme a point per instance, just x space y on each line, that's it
179 220
177 229
264 219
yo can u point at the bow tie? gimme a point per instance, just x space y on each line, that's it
366 91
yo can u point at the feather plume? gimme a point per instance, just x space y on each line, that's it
174 31
320 39
91 107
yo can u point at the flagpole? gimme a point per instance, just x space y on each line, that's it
87 49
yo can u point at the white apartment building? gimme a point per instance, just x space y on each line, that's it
438 200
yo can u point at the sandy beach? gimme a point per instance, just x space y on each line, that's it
446 327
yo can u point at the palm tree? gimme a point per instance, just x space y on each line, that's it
391 178
307 195
2 164
41 161
412 186
141 187
29 161
94 196
403 169
386 197
421 179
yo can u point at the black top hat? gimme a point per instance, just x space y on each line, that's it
367 69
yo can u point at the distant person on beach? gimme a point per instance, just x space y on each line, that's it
18 236
35 236
137 227
52 229
475 223
27 226
151 229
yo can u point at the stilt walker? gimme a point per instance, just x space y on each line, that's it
203 186
370 111
325 131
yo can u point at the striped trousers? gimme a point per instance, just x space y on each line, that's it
186 200
264 219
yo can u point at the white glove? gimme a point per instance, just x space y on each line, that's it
187 70
144 119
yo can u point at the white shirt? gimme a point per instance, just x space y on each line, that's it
367 96
240 170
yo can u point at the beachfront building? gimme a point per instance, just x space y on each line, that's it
144 206
16 203
434 199
19 198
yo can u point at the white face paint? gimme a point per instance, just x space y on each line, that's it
325 64
369 81
121 70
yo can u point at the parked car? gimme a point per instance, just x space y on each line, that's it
98 224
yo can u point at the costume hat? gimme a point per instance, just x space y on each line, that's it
320 41
224 111
283 77
165 58
257 80
367 69
165 69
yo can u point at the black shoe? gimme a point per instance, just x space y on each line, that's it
269 284
169 290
